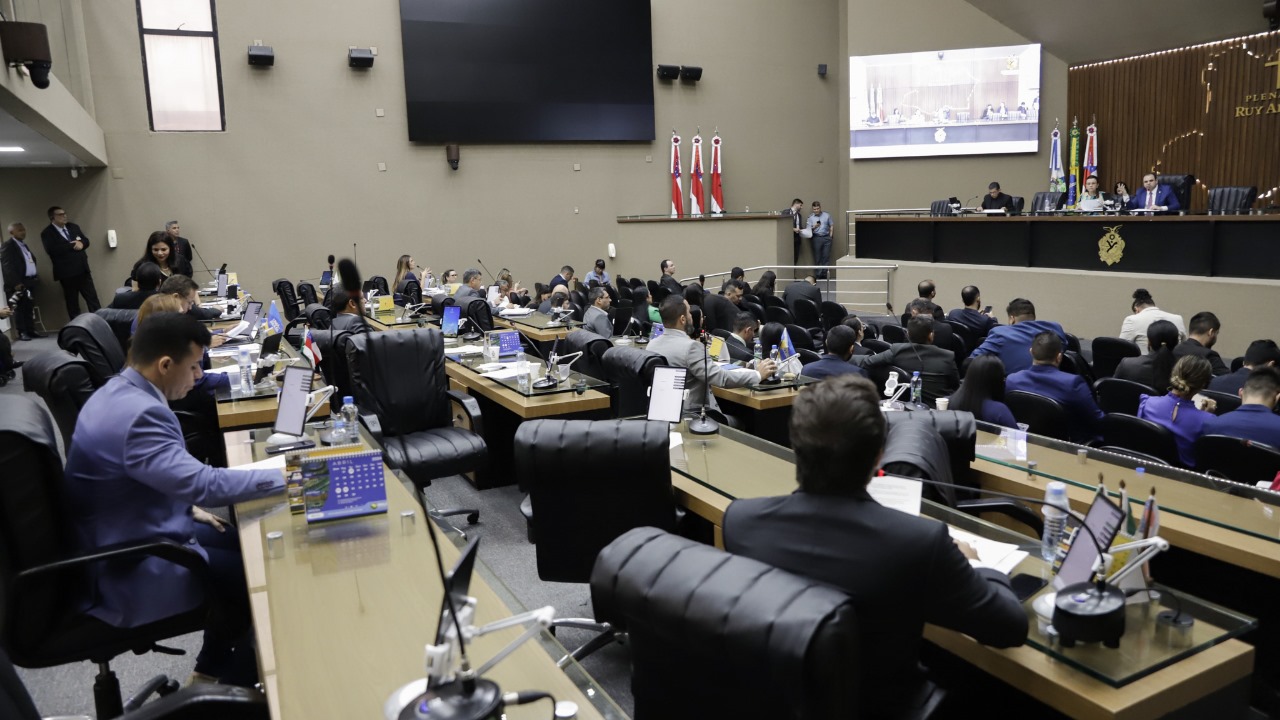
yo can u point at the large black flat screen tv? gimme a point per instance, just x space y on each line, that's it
525 71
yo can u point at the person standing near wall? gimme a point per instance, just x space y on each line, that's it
66 244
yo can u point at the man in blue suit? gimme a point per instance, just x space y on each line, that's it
1255 419
1154 196
1012 342
839 345
1044 378
129 478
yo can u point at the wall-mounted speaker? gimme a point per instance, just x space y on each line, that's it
668 72
262 56
360 58
822 70
689 73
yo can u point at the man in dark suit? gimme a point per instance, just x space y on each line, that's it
806 288
996 200
854 323
1154 196
1044 378
181 245
971 314
668 278
565 278
66 244
719 311
1202 335
937 367
942 330
839 346
741 340
149 278
20 278
796 211
902 571
1260 353
1255 419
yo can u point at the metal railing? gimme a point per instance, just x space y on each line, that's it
859 288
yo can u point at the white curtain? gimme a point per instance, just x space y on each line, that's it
182 76
191 15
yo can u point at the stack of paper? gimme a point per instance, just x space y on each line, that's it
998 556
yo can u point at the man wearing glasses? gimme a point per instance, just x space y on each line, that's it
66 244
820 224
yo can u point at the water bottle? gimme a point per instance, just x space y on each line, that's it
351 416
339 432
246 370
758 351
522 373
1055 519
917 388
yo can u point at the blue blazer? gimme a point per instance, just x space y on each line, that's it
830 366
1164 196
129 478
1067 388
1251 422
1013 343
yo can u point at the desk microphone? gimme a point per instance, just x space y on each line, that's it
704 425
195 250
492 277
975 197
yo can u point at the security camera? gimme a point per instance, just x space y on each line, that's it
27 45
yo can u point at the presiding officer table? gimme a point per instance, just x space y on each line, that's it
1144 678
341 616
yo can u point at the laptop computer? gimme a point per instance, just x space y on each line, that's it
252 311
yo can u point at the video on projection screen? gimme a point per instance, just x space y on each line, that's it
973 101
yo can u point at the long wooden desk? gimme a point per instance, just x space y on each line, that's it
255 412
341 618
536 332
759 472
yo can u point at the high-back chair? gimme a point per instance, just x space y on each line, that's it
630 371
91 337
65 384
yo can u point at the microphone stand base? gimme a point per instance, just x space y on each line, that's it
446 701
546 383
703 425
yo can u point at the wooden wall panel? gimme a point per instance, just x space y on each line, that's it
1211 110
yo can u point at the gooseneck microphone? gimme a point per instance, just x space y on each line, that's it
704 425
196 250
493 278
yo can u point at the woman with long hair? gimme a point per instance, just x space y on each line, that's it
160 251
765 287
1177 410
982 392
406 269
1153 368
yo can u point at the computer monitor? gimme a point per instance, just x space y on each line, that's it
666 394
452 313
291 416
1104 519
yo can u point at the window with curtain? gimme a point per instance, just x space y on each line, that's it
180 65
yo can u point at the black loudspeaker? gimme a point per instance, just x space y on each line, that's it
27 44
689 73
1271 13
822 70
261 56
360 58
668 72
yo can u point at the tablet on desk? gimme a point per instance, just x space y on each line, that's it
666 394
1104 519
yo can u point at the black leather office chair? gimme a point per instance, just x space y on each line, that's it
592 346
624 323
90 337
940 208
874 345
1231 200
1019 202
377 282
479 313
1243 461
43 575
807 313
959 349
773 301
307 293
411 291
1181 185
1043 415
1134 455
283 289
833 314
413 421
121 322
1225 402
1046 201
777 314
965 332
807 356
1144 436
1108 352
756 309
64 382
893 334
715 635
630 371
1120 396
800 338
439 303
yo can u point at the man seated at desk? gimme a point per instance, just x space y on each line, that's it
129 478
346 309
1071 390
839 347
1154 196
680 350
1255 419
939 376
971 314
472 287
1259 354
902 571
742 339
596 318
996 200
1012 342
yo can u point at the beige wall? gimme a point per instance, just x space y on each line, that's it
911 25
295 175
1089 304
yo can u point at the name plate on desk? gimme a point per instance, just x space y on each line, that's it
330 485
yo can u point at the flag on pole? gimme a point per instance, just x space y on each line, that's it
1090 152
275 323
1130 522
696 201
1073 157
310 350
717 187
1056 183
785 348
1150 524
677 193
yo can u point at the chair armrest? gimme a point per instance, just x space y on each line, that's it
164 549
1009 508
471 408
223 701
372 424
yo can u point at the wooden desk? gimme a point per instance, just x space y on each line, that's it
765 414
341 619
1225 667
539 334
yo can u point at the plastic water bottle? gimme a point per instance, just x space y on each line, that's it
339 432
758 350
522 373
917 389
351 416
246 370
1055 519
775 355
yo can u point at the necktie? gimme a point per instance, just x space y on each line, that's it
64 233
1151 199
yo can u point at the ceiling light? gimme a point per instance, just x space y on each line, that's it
11 148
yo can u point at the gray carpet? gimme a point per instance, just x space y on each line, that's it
68 689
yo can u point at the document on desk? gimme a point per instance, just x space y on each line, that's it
465 350
505 372
897 492
516 312
234 350
998 556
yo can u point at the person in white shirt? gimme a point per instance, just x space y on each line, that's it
1092 199
1145 312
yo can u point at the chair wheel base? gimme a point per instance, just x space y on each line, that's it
473 518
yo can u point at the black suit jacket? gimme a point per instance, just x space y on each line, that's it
902 572
1139 369
802 289
738 350
1193 347
67 262
670 283
131 299
13 264
183 247
937 367
718 313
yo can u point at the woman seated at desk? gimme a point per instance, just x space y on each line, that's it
160 251
1177 411
982 392
1092 199
406 270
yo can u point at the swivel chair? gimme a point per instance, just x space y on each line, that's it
940 208
1108 352
1224 402
413 421
91 337
307 294
1181 186
121 322
1120 396
593 348
1046 201
1231 200
288 298
630 371
1144 436
377 282
1043 415
719 635
1243 461
64 382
